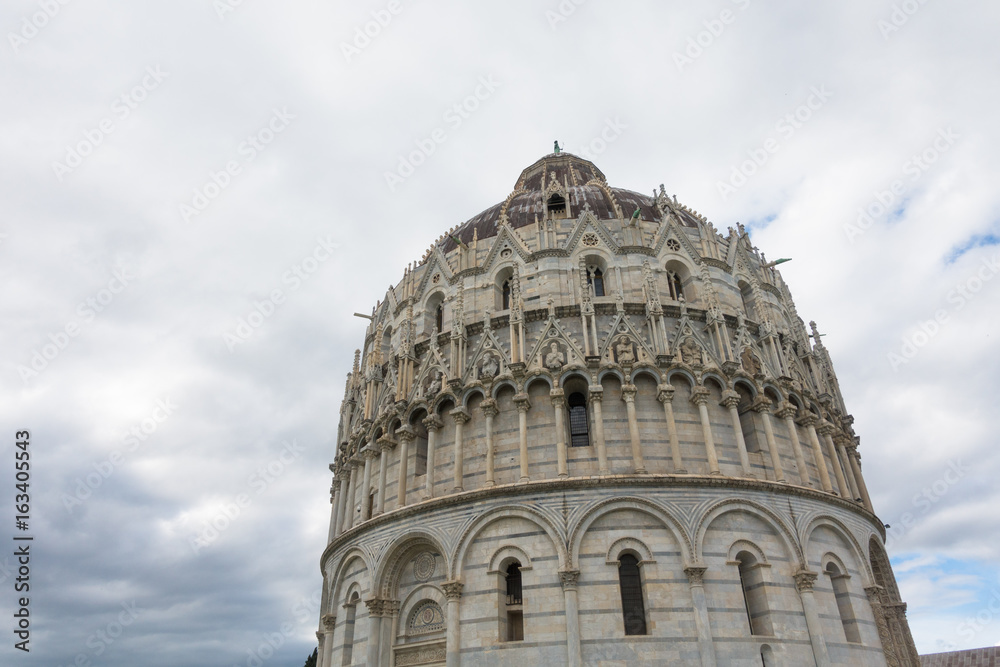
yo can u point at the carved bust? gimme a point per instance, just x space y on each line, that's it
624 352
750 363
489 367
554 357
691 353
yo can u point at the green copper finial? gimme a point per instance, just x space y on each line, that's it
558 150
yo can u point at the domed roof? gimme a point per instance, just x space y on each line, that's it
575 179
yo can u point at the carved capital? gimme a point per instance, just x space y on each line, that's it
489 407
665 393
806 418
319 638
761 404
825 428
786 410
406 434
390 607
453 589
329 622
386 443
432 423
460 415
558 397
696 575
699 395
730 399
804 581
596 392
368 453
628 392
569 579
374 606
522 402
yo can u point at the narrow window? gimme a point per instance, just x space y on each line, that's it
439 317
633 610
420 455
557 204
676 288
595 278
514 616
754 597
506 295
352 608
850 623
579 435
371 505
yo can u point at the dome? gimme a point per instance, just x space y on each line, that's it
581 184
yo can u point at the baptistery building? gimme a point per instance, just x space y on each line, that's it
587 428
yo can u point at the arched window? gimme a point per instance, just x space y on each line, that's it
352 609
512 629
595 278
505 298
579 434
420 454
439 318
630 583
754 597
843 596
674 283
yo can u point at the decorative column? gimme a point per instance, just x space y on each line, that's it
374 630
335 502
558 403
809 420
665 395
344 479
706 645
826 430
326 652
453 589
406 436
628 395
352 492
762 406
804 581
731 400
490 411
366 483
787 412
569 579
852 454
390 612
875 599
841 440
461 417
386 444
433 425
523 405
596 398
699 396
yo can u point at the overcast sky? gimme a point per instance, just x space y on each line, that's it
167 170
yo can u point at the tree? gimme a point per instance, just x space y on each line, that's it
311 660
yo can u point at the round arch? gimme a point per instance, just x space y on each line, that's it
528 514
609 505
785 534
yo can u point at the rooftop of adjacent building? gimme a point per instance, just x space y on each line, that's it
976 657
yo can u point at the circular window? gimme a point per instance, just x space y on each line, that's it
674 245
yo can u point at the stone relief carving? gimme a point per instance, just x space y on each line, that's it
691 352
554 358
